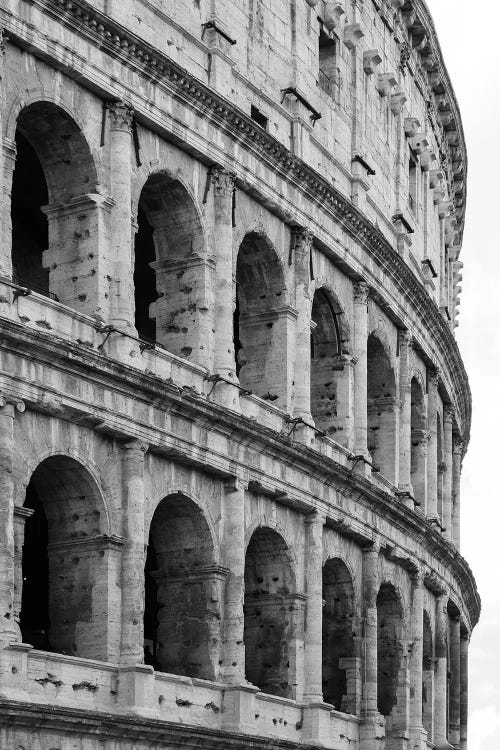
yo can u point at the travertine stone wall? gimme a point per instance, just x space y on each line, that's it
232 410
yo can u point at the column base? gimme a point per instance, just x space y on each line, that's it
14 671
372 732
316 722
136 692
238 708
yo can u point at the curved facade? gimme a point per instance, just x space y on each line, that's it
233 411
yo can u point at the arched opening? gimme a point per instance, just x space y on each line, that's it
419 438
326 369
54 208
389 648
65 562
184 591
382 409
260 320
30 231
427 676
339 637
440 467
171 271
270 614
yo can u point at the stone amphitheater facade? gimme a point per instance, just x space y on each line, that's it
233 411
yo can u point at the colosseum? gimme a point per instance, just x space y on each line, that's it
233 411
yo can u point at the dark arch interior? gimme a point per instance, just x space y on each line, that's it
57 602
389 627
260 293
29 223
325 348
269 614
381 391
182 614
339 632
169 233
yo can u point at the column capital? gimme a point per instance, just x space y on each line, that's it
458 446
235 484
316 518
12 404
302 238
135 447
406 340
448 413
433 376
223 180
121 115
361 291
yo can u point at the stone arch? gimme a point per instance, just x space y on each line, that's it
382 406
171 270
427 674
272 614
55 187
261 318
419 437
340 637
183 591
323 283
389 647
329 389
66 568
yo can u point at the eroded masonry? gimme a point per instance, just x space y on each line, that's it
233 412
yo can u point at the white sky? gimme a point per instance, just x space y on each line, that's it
471 51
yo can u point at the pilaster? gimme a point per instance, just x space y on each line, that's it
405 357
448 414
361 292
134 553
313 631
432 467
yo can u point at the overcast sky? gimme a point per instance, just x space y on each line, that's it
472 56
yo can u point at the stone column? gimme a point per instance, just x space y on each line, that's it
302 239
455 681
464 689
223 182
233 646
417 731
370 592
441 673
134 555
8 630
5 259
458 448
122 311
21 515
313 631
432 467
405 356
420 440
8 159
361 292
447 470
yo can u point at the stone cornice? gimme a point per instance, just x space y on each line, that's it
94 368
83 19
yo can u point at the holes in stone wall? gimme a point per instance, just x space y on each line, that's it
339 634
389 632
382 408
260 323
184 592
270 614
62 561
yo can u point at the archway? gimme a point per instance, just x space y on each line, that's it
172 272
326 369
339 637
54 207
382 409
66 562
419 438
261 320
389 648
270 614
184 591
428 677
